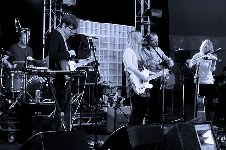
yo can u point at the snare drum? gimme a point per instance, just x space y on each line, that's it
14 81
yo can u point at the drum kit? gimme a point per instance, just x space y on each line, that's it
17 88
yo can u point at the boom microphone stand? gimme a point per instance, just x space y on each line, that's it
162 85
97 78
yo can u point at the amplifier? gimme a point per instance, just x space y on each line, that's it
41 108
41 116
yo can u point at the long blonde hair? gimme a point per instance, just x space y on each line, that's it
134 42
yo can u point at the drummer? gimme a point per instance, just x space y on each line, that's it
20 52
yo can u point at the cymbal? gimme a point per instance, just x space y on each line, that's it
18 62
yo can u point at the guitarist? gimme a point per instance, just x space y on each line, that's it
157 60
133 65
59 56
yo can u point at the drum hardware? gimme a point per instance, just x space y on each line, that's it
72 99
22 94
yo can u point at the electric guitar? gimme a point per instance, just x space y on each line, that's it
139 86
72 65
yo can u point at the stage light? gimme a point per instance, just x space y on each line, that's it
69 2
153 13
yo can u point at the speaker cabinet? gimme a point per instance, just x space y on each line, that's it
186 136
60 140
135 137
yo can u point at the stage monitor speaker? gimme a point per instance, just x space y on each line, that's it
141 137
196 136
57 140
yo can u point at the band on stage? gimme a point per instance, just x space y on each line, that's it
149 76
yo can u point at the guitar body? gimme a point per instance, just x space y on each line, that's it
140 86
71 65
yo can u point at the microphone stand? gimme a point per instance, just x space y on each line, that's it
97 78
162 85
196 91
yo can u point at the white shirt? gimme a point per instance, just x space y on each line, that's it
203 69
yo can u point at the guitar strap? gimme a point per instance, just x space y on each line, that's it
156 81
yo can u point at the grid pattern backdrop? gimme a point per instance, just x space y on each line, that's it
110 44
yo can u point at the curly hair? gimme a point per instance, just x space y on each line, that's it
206 47
69 20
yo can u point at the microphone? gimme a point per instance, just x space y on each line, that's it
17 25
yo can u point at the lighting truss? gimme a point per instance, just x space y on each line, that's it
142 19
51 18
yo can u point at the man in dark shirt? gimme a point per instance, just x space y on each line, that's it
21 54
59 56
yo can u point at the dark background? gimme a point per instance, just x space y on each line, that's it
29 13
